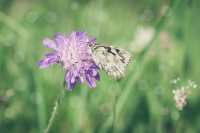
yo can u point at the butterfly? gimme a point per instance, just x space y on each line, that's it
111 59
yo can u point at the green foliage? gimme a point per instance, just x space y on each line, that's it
141 102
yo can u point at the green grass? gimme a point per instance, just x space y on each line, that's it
141 102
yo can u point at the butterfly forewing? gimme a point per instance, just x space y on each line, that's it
112 60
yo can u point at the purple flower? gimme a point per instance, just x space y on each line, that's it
74 53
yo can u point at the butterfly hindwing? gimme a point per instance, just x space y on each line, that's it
112 60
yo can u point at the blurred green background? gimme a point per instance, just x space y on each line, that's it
163 37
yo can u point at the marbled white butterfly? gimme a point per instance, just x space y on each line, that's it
111 59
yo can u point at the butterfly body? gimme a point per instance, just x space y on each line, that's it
111 59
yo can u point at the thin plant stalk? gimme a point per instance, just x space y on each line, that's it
144 57
58 101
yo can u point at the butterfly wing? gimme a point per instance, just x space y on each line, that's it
112 60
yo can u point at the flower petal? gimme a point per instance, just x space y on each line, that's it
97 77
60 39
90 80
93 70
84 38
70 85
49 43
50 59
70 79
80 79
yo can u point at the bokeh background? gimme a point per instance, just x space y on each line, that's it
162 36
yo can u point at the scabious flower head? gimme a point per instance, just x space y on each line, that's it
74 53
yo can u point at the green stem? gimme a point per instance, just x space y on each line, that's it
114 113
144 57
55 110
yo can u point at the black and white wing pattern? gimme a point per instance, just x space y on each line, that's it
111 59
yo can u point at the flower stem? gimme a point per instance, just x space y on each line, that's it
55 110
114 114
